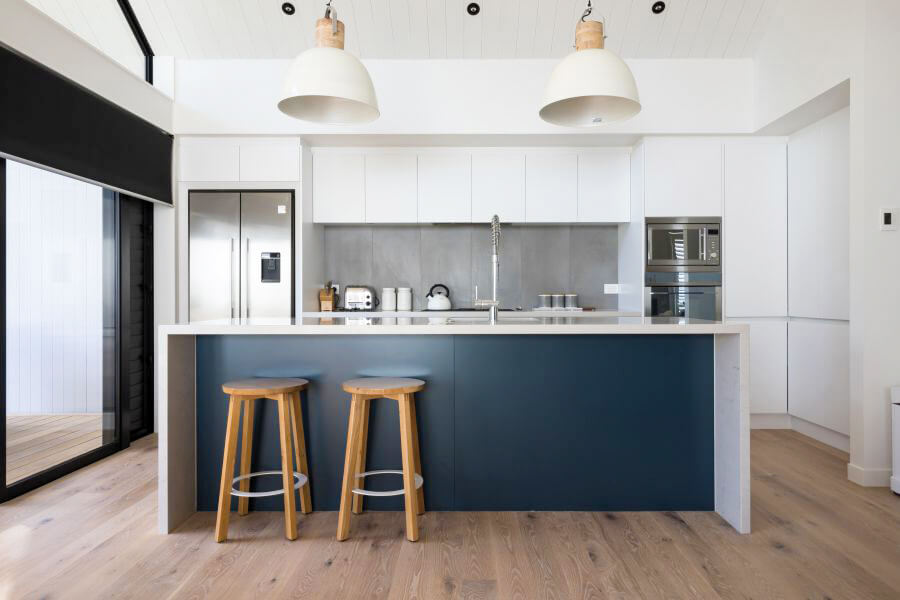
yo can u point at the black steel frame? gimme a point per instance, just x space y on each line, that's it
139 37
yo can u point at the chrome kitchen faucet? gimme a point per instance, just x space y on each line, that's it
493 304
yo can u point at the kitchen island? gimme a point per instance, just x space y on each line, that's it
604 413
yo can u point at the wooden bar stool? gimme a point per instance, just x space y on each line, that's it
363 391
243 393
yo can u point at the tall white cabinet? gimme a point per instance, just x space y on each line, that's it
755 262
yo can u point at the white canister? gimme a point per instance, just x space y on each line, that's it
404 298
388 299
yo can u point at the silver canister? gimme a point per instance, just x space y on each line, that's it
558 301
544 301
571 300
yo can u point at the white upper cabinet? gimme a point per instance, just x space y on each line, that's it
755 229
270 161
604 186
683 177
391 187
498 186
339 187
551 187
445 187
209 159
818 236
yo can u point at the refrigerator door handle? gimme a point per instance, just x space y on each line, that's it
231 277
247 277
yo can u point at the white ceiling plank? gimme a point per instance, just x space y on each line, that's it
472 28
418 28
708 24
760 27
528 15
742 28
381 15
455 16
184 24
617 25
564 27
501 26
725 29
401 27
689 27
436 17
113 30
365 24
72 17
543 33
674 17
301 26
161 31
644 28
233 37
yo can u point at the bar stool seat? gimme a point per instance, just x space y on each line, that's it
363 391
242 394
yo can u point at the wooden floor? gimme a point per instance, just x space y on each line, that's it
36 442
816 535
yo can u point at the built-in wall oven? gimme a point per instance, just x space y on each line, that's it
683 278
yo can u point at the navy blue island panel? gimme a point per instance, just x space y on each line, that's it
506 422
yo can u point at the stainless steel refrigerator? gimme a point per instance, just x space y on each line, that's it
241 255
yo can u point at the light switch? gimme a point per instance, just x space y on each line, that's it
610 288
888 221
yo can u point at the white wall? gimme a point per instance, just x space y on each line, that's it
32 33
463 97
54 293
631 241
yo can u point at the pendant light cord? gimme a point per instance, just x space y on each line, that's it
331 13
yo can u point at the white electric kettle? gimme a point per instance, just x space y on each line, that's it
438 299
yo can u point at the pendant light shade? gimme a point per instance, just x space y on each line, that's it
327 84
590 86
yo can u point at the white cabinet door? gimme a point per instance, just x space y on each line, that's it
391 187
270 161
208 159
755 229
819 372
683 177
445 187
768 365
604 186
339 191
551 187
818 212
498 186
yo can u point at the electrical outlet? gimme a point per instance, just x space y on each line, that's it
888 221
337 289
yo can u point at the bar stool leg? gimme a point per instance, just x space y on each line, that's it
287 468
420 493
343 529
409 480
246 449
360 464
231 439
300 451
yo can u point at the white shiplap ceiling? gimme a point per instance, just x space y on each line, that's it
423 28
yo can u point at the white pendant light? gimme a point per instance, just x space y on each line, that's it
327 84
590 86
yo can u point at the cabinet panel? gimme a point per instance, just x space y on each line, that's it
498 186
818 213
755 230
768 365
604 186
208 159
339 187
819 372
683 178
270 161
445 187
391 187
551 187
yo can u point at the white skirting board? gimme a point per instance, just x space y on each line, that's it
817 432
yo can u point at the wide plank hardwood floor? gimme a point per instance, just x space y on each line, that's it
816 535
37 442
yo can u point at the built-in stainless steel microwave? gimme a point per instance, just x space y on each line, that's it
686 243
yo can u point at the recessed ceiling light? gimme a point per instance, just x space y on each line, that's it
473 8
658 7
288 8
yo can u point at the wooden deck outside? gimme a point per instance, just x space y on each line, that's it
37 442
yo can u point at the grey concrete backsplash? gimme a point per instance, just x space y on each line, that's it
533 259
